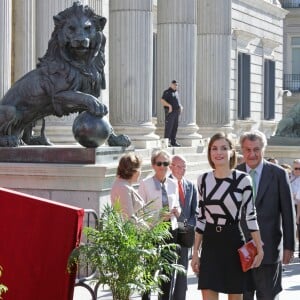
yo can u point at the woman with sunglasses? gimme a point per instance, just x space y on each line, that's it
295 184
163 190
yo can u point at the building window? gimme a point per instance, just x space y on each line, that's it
291 81
243 86
290 3
295 55
269 89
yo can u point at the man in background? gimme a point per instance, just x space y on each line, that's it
172 107
188 203
295 183
275 214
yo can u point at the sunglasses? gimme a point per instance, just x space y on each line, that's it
297 169
162 163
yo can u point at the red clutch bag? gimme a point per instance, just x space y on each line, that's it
247 254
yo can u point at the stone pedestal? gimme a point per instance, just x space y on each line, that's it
284 141
79 176
68 174
284 154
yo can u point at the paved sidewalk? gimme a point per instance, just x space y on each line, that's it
291 286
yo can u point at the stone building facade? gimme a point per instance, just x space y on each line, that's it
227 56
291 54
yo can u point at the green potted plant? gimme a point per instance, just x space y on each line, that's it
3 288
128 254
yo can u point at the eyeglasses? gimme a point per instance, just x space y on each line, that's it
162 163
297 169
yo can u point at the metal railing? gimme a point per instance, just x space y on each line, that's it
84 272
291 82
290 3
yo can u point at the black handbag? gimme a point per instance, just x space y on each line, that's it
185 234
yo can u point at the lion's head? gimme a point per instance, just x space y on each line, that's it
78 39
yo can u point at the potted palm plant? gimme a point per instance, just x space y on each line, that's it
3 288
130 255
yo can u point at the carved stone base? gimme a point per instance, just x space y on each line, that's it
283 141
68 154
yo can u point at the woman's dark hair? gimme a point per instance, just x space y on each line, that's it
129 163
221 136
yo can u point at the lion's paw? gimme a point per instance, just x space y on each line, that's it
98 109
10 141
120 140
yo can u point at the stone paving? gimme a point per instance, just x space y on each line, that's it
291 286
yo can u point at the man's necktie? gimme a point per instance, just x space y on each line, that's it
164 195
181 193
252 174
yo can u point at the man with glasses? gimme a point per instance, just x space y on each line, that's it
172 107
188 203
295 183
275 215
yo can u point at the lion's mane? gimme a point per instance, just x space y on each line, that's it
57 60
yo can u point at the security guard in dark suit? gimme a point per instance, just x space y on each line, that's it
171 103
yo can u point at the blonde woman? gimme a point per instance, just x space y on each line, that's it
163 190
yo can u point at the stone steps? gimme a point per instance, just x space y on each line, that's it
196 162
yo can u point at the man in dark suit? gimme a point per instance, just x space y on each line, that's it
188 203
275 214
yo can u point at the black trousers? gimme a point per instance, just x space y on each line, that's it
171 124
181 280
298 228
267 281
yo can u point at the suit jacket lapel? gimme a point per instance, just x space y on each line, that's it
265 179
187 190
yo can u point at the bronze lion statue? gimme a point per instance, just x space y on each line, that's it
67 79
289 126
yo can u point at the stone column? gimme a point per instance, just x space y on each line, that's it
131 69
59 130
213 66
96 5
5 49
101 8
24 37
176 59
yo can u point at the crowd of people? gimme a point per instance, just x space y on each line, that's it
244 196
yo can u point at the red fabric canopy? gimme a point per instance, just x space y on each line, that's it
36 239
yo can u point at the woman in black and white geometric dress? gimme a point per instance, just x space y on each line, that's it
223 193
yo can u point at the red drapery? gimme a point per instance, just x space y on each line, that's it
36 239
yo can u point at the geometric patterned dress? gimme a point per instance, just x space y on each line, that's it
221 202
